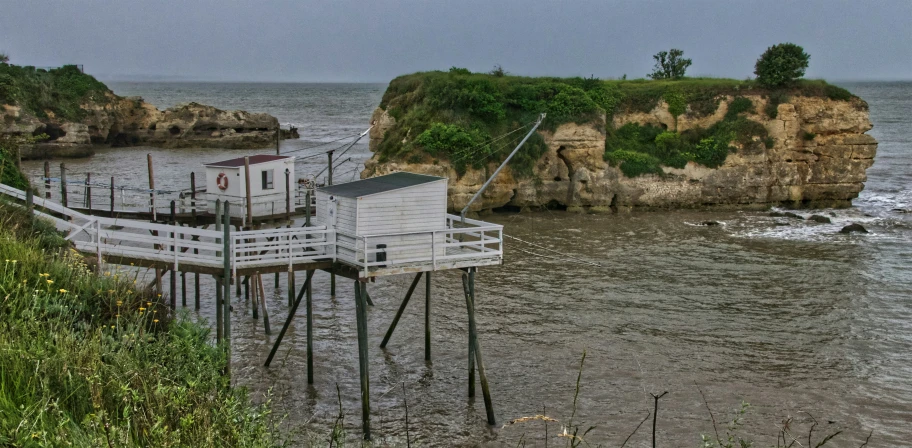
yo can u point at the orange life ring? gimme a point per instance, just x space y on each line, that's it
222 181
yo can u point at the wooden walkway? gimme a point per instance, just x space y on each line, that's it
182 248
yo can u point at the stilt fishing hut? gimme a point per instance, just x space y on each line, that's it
259 184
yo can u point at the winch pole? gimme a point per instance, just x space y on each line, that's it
462 214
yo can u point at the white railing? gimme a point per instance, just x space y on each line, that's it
478 241
177 245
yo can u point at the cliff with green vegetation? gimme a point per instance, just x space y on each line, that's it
616 144
76 112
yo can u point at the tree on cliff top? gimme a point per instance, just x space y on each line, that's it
4 58
670 64
781 65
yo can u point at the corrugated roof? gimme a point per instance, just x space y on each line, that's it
379 184
255 159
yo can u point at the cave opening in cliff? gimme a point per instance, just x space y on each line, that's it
174 130
563 157
507 208
52 130
554 205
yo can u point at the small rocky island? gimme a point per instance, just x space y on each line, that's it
613 145
79 113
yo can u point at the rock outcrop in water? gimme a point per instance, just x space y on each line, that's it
816 155
80 113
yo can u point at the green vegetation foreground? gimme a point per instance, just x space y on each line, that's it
91 360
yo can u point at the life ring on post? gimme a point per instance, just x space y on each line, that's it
222 181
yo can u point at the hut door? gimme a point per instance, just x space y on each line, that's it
333 211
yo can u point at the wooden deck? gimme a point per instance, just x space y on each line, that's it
126 241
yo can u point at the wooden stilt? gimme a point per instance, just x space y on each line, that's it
310 360
485 390
226 293
254 305
262 296
291 287
332 283
63 184
405 301
47 179
361 311
471 338
291 314
218 309
246 289
158 281
184 289
173 289
369 301
196 291
427 317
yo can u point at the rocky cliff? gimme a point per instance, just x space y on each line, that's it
36 102
812 151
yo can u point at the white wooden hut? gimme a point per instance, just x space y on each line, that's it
400 218
226 181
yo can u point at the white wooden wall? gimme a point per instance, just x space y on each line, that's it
419 208
346 220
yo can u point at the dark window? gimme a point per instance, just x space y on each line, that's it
267 180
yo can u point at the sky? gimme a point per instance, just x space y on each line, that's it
375 41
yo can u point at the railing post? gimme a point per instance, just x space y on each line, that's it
433 251
88 191
287 190
29 200
47 179
112 196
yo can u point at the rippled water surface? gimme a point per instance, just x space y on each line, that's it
788 315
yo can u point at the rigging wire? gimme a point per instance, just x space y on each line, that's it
318 145
479 147
567 257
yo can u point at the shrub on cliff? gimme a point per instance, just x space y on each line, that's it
781 65
60 91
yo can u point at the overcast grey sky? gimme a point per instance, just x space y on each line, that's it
353 41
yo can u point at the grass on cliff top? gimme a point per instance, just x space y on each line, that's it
456 115
89 360
59 91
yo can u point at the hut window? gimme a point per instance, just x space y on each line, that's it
267 180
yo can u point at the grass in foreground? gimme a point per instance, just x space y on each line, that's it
89 360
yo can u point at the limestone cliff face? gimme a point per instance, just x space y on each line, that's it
819 159
120 121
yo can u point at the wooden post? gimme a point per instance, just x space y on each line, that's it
63 186
254 305
247 186
408 295
330 168
87 201
47 179
193 198
427 317
262 296
29 200
218 222
332 282
291 314
112 196
291 287
226 274
173 272
307 209
361 312
218 308
287 193
310 360
184 289
278 137
151 185
158 281
196 291
469 285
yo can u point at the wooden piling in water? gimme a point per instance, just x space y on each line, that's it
112 196
427 317
63 188
151 185
254 306
408 295
310 361
226 293
361 311
218 308
247 187
88 191
196 276
469 286
288 319
173 278
47 179
263 304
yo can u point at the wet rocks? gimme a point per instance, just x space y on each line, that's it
820 218
854 227
710 223
785 215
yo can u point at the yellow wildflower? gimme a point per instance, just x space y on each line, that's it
50 281
63 291
119 302
155 321
142 309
